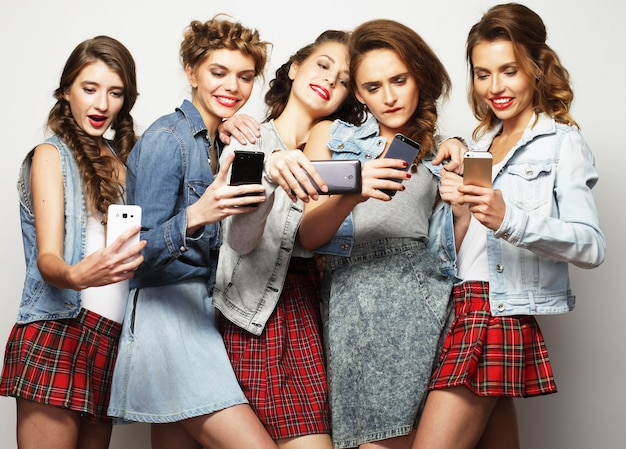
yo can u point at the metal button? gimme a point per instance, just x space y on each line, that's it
499 268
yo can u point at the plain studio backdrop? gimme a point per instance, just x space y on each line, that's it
586 346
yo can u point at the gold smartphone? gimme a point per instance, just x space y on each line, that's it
477 168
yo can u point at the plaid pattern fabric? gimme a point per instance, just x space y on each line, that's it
282 371
492 356
66 363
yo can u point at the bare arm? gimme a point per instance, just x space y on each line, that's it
105 266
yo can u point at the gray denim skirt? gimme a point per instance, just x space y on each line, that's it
385 310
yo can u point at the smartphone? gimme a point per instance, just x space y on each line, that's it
477 168
120 218
247 168
341 176
401 147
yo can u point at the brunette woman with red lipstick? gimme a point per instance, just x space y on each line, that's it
60 355
267 285
518 237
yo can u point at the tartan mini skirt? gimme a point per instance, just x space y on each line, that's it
66 363
492 355
282 371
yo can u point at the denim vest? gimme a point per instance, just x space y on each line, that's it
40 300
168 170
364 143
550 220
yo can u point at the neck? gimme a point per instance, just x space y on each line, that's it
293 129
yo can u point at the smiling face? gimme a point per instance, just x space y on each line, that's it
321 82
385 85
498 80
222 84
96 97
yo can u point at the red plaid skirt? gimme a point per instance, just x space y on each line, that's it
66 363
492 356
282 371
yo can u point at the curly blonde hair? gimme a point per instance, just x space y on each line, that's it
527 33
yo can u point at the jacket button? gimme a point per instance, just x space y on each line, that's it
368 156
344 246
182 249
500 307
379 142
506 236
341 146
499 268
529 171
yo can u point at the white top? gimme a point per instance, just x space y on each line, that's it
108 301
472 260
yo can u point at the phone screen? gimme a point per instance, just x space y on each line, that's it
247 168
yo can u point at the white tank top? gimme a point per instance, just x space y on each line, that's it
108 301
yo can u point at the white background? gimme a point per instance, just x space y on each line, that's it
586 346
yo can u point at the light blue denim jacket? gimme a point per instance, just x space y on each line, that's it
550 221
172 160
364 143
40 300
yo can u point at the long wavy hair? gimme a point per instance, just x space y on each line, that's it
424 66
99 178
280 87
202 38
527 33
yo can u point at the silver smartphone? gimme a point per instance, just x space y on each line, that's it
401 147
341 176
477 168
120 218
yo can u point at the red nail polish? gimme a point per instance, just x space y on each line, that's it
408 176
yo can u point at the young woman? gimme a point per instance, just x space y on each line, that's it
385 295
267 285
172 369
519 236
60 354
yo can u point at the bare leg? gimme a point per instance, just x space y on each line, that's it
453 418
94 436
40 425
318 441
403 442
172 436
235 426
501 431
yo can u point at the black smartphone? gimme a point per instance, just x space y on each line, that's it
247 168
341 176
477 168
401 147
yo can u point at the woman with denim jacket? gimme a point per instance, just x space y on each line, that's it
519 236
385 294
267 285
172 368
59 358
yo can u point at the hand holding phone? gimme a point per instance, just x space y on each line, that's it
477 168
401 147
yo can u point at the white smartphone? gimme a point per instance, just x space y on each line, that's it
477 168
120 218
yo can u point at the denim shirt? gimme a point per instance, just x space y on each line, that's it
257 247
550 221
365 143
40 300
171 161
